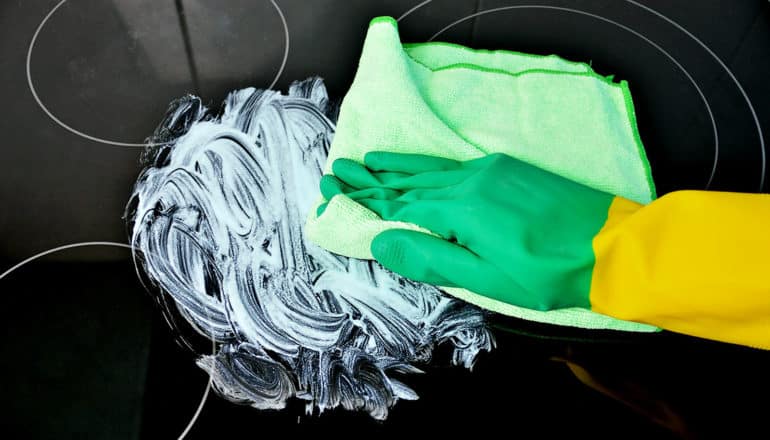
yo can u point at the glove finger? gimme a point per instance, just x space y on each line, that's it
354 174
375 193
321 208
423 194
386 177
429 259
357 176
386 209
428 179
408 163
331 186
433 215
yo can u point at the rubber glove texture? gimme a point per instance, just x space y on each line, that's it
503 228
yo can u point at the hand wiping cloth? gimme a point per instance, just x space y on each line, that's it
450 101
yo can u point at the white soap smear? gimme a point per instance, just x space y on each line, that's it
216 220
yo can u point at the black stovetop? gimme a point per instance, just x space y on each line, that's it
85 81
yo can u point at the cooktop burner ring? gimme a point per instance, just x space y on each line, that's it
657 47
73 130
56 249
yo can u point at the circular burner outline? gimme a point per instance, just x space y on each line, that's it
206 391
77 132
659 48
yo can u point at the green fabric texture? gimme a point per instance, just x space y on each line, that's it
450 101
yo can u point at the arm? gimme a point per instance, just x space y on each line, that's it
692 262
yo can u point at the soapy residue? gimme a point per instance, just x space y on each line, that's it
216 218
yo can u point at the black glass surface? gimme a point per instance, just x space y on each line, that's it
88 355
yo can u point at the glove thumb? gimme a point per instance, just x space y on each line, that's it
422 257
433 260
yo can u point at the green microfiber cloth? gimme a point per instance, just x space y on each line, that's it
448 100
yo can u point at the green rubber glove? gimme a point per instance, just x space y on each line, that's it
504 229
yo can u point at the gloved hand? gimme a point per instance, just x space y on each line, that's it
505 229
